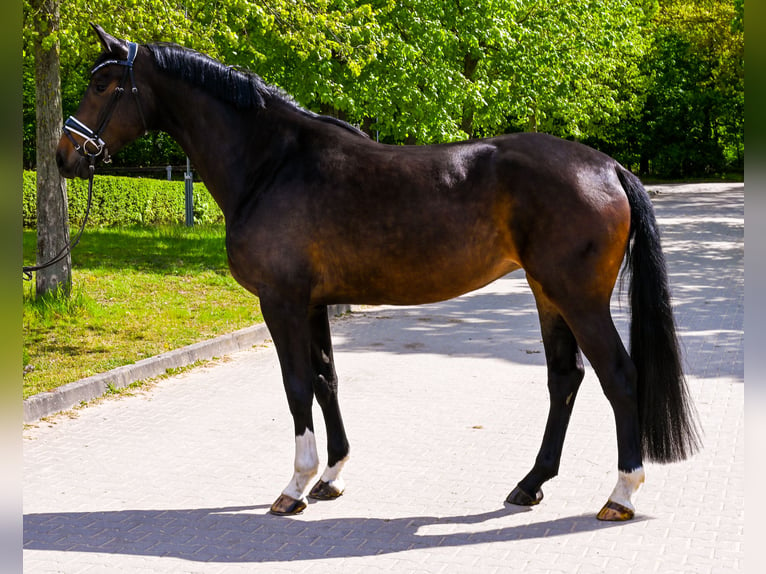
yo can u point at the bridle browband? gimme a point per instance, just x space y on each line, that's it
93 146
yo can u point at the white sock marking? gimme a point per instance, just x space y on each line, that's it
306 465
628 484
331 474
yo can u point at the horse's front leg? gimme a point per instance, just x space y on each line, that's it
325 381
289 328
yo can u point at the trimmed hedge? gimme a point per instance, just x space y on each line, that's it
126 201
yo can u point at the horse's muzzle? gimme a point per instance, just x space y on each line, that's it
70 163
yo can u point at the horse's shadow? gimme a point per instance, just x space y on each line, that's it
249 534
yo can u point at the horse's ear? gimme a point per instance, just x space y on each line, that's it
109 42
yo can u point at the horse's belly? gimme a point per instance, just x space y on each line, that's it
410 280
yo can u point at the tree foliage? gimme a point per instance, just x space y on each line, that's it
465 68
647 80
691 120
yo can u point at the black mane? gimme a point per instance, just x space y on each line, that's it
243 89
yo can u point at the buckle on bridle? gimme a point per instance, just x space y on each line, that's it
92 145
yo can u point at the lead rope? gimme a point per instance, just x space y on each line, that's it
28 269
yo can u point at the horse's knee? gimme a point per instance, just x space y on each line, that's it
325 389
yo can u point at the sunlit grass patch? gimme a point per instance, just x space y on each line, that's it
136 292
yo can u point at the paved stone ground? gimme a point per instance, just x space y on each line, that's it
445 406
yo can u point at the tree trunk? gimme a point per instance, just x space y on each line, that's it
52 210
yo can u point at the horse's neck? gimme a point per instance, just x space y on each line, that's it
218 140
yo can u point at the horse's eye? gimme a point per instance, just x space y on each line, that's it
100 88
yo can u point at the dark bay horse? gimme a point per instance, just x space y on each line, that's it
318 214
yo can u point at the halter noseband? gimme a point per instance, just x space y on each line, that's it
92 145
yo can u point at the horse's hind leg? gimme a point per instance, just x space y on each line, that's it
599 340
325 381
565 373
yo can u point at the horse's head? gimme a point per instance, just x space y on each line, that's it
112 112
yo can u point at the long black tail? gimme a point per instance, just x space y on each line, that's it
667 416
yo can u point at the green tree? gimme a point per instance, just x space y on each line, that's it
691 121
432 70
609 72
52 208
314 50
458 68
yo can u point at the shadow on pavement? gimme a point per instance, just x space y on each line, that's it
481 324
248 534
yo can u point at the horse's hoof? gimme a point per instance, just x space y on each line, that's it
324 491
521 498
615 512
287 506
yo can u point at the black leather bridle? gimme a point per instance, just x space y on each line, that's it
92 146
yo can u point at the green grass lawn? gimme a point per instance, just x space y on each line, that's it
136 292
